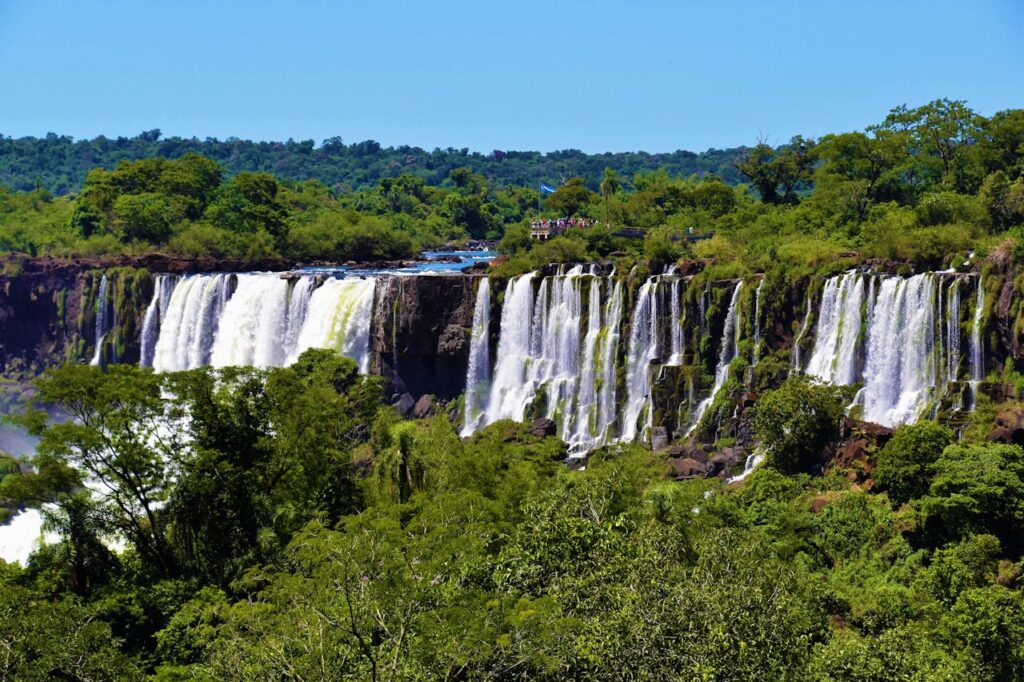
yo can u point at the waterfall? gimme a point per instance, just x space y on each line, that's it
163 286
977 357
609 349
676 332
102 320
953 330
478 372
900 371
547 360
583 431
338 318
796 366
253 324
834 358
186 332
643 348
260 320
757 324
729 346
556 327
509 389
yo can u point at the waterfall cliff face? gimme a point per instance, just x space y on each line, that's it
898 337
103 321
561 354
260 320
728 349
478 374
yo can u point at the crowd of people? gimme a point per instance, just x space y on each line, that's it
556 225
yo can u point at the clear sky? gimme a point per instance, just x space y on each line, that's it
596 76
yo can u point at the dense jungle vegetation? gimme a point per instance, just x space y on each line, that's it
287 524
925 185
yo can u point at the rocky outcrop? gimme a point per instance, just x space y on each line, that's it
420 332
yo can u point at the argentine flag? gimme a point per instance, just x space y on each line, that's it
546 188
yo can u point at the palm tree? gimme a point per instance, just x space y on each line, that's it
609 185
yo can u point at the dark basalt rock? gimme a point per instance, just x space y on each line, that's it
404 405
424 407
659 438
1009 428
543 427
686 468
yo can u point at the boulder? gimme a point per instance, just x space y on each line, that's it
543 427
686 468
453 341
403 405
723 461
659 438
424 407
1009 427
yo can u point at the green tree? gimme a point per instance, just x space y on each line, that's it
795 422
902 466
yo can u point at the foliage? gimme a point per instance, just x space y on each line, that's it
903 464
796 421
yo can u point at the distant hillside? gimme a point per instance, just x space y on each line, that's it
59 163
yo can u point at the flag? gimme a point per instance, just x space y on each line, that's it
546 188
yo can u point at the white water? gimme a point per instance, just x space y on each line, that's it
834 358
900 369
728 349
479 371
509 388
642 350
677 334
796 365
23 534
102 320
952 341
263 320
582 432
757 324
545 356
338 318
977 357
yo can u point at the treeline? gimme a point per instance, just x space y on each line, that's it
292 526
59 164
927 185
190 207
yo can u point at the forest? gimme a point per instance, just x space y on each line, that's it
59 164
287 523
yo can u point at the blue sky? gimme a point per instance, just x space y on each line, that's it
597 76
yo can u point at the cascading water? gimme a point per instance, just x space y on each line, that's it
253 323
729 347
582 431
156 312
834 358
677 335
608 352
544 358
642 350
796 365
757 324
910 349
260 320
952 340
977 358
509 388
102 320
900 369
338 318
479 371
187 330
